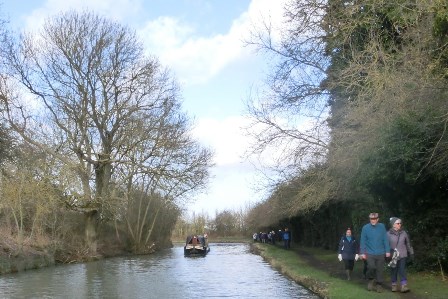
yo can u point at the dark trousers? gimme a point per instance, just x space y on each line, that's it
400 269
349 264
287 243
375 267
364 269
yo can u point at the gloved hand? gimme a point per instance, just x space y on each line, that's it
340 257
356 257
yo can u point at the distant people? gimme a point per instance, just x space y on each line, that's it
374 247
400 244
205 239
287 238
201 240
273 237
255 237
348 252
280 235
264 237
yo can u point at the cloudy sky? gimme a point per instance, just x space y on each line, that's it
202 42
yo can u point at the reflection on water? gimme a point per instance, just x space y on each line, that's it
228 271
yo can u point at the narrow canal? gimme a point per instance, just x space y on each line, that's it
228 271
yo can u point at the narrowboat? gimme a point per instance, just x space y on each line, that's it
196 245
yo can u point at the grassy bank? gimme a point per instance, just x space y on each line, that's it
320 271
24 261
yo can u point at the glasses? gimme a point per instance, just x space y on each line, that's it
398 223
373 218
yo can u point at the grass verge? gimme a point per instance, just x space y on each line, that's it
325 277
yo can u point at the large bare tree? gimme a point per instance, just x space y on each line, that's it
82 90
290 113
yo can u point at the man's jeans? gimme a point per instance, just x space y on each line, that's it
375 267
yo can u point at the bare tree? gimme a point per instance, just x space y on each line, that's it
226 223
29 201
89 97
289 115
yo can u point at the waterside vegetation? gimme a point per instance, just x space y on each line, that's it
355 114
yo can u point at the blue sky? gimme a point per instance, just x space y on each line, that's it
201 41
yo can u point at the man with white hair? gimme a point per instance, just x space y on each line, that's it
374 248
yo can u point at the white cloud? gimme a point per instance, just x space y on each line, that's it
230 140
226 137
195 59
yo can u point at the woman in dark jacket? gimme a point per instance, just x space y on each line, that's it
348 252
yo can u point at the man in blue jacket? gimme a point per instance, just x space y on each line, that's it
374 247
287 238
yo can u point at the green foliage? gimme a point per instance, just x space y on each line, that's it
440 253
440 31
6 145
399 153
441 20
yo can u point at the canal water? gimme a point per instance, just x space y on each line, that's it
228 271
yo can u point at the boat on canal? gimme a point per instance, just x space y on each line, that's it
196 245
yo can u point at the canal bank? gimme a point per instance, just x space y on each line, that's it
16 257
287 263
24 260
320 271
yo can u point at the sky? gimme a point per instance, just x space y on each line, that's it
202 42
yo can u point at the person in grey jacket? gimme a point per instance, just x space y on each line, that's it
400 244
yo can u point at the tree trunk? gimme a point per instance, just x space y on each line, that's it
91 230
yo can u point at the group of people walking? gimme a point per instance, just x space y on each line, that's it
272 237
375 247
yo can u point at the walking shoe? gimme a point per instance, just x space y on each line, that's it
404 288
394 288
370 285
379 288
